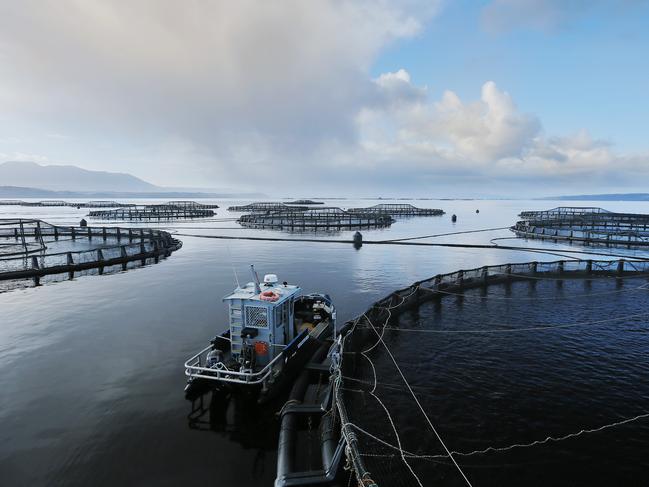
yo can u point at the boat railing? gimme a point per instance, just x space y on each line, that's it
194 368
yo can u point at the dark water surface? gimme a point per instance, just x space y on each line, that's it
515 386
91 372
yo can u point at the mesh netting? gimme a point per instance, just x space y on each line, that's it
35 249
538 378
589 225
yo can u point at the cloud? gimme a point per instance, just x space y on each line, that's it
281 75
473 142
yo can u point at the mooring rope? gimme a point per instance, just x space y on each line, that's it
419 244
494 449
414 396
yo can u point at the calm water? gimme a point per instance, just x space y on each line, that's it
91 369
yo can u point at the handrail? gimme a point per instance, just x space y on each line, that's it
258 376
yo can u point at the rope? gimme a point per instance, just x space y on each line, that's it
423 244
445 234
505 448
414 396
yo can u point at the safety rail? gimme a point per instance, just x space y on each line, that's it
66 250
194 368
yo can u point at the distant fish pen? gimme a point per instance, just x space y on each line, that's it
54 203
153 212
191 205
263 207
304 202
36 250
588 225
397 210
327 218
406 386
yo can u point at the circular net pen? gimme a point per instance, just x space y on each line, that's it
325 218
33 251
397 210
528 374
304 202
265 207
164 212
590 226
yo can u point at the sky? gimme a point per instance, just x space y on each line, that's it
491 98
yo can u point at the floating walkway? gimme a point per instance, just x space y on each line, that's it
397 210
101 204
36 250
325 218
587 225
154 212
54 203
262 207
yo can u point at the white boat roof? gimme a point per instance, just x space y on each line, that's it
248 292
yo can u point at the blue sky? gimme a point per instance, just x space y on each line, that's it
403 97
589 70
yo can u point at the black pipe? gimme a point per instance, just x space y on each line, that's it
289 426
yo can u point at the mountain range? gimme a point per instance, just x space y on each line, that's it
69 178
19 179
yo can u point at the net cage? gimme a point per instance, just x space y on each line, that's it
390 404
397 210
167 211
55 203
34 249
331 218
585 225
264 207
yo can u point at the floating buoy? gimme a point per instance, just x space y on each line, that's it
477 211
358 240
454 218
83 223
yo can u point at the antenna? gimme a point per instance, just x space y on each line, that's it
255 278
234 270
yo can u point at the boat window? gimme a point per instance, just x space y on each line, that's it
285 311
256 316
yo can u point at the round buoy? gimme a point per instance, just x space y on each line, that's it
454 218
358 240
83 223
477 211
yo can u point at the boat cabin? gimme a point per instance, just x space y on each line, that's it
261 316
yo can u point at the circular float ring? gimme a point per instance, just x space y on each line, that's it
269 296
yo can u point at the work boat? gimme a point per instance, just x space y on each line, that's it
273 332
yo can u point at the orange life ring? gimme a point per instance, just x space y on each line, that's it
269 296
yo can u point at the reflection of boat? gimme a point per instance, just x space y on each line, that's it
244 421
273 332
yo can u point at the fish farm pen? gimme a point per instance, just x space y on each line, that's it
265 207
495 377
54 203
397 210
305 202
586 225
37 251
153 212
315 218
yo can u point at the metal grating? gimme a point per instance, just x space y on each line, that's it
256 316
